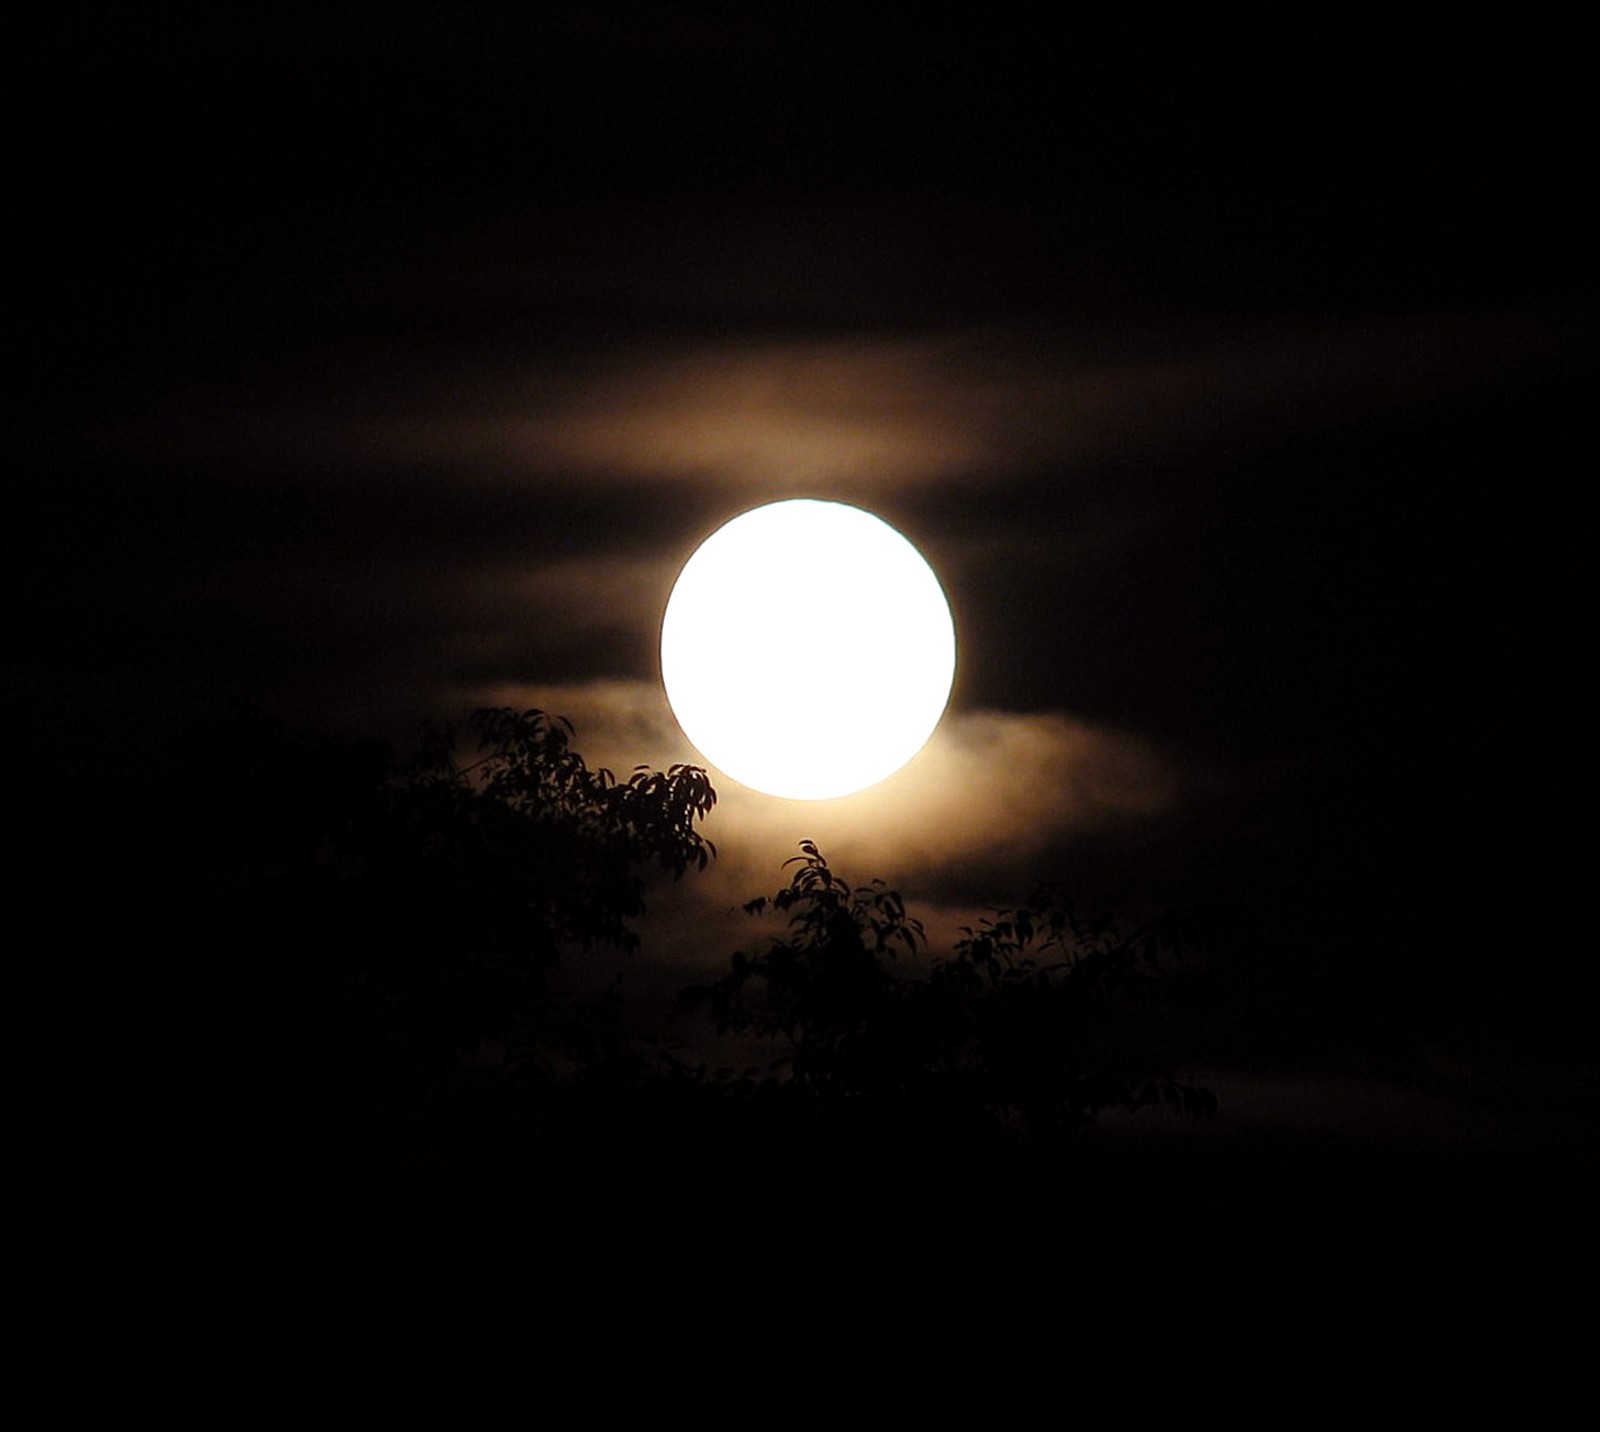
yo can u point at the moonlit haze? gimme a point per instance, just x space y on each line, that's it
807 649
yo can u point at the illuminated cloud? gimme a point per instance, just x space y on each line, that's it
745 420
991 789
835 416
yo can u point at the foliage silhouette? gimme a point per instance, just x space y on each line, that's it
373 953
371 943
996 1037
570 841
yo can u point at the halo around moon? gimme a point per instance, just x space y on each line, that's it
807 649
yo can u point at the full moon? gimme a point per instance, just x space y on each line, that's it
807 649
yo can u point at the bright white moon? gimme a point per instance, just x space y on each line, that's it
807 649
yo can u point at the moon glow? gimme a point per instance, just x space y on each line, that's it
807 649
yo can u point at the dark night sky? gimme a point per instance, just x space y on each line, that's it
388 364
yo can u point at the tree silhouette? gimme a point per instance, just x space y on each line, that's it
564 845
370 951
996 1036
361 995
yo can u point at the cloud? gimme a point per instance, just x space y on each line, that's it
764 414
991 792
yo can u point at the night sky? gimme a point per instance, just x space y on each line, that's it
380 365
